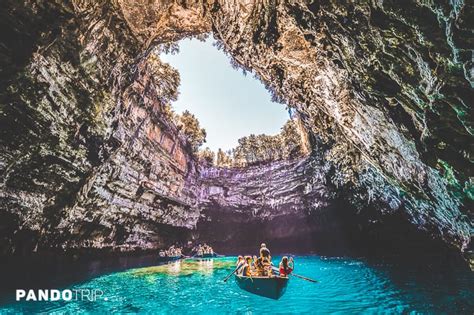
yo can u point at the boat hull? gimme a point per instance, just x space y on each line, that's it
272 288
205 256
167 259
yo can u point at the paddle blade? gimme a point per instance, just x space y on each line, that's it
304 278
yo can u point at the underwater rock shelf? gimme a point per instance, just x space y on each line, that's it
88 160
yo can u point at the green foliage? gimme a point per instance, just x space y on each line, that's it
167 85
169 113
448 173
469 189
465 190
224 159
256 149
206 156
293 138
252 150
189 125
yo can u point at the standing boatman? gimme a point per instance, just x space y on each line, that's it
265 252
266 260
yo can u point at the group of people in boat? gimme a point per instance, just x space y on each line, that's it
173 251
204 249
262 266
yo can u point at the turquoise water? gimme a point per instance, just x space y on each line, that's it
346 286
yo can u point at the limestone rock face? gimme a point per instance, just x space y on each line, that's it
287 203
378 84
387 85
89 160
271 190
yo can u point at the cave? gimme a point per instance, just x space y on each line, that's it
90 163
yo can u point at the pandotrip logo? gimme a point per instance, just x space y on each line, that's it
52 295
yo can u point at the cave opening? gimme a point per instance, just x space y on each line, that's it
226 112
228 103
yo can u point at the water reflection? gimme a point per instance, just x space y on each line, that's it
206 266
183 268
174 268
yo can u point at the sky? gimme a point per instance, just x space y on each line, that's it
228 104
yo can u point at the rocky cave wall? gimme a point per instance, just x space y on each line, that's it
88 159
386 85
287 204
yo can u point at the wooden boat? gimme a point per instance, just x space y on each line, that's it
272 288
168 258
206 256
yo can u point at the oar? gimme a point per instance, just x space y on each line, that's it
227 278
298 276
304 278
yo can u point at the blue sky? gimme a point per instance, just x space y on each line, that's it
228 104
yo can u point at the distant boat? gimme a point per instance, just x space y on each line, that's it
272 288
168 258
206 255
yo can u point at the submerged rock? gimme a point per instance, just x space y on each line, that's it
89 160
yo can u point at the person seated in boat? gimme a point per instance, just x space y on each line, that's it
286 266
267 268
259 266
199 250
171 251
208 250
162 254
175 251
254 261
239 265
247 269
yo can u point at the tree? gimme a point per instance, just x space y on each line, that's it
293 139
255 149
169 113
224 159
207 156
190 127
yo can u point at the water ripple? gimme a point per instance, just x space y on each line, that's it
345 286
